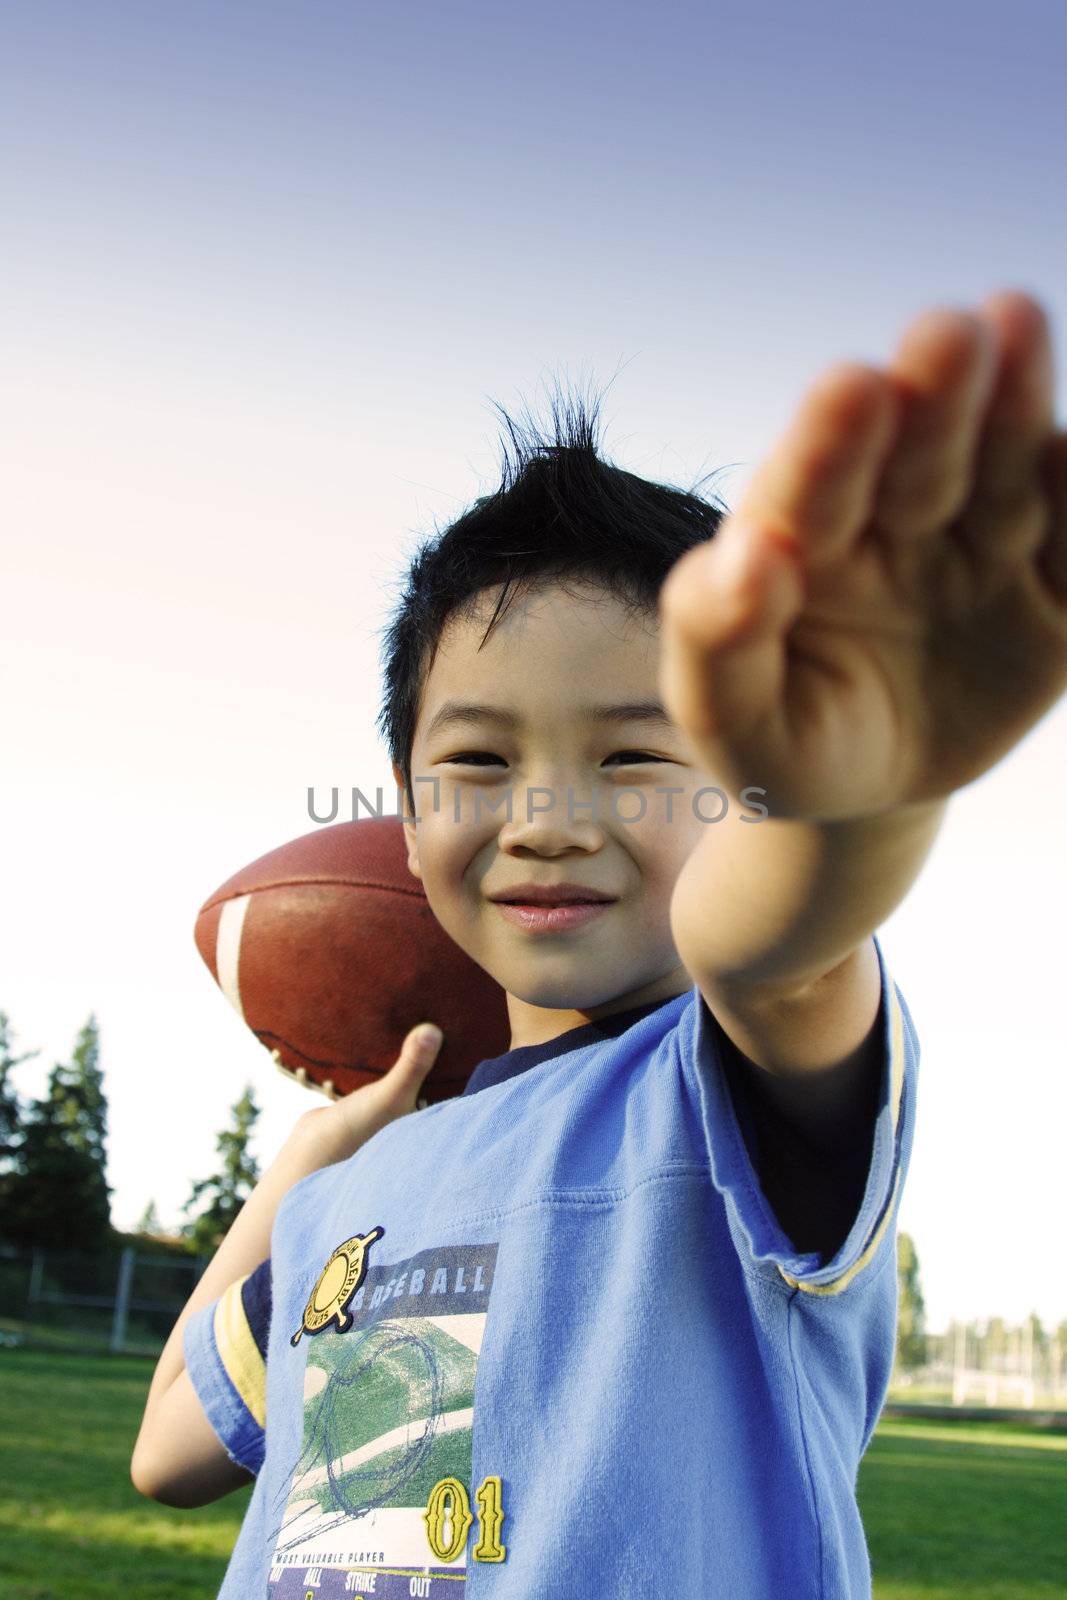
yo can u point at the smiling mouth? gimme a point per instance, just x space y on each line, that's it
552 905
552 918
563 895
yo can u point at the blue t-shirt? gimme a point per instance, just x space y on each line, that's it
549 1338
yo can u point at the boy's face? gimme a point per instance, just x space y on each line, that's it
552 658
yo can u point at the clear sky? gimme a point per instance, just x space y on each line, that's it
264 266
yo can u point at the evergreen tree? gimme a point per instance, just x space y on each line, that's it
58 1196
1038 1337
77 1092
995 1345
227 1190
911 1311
12 1110
149 1222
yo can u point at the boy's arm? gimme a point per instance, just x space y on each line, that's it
882 619
787 964
178 1458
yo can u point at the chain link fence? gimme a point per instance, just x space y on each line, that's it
989 1365
125 1302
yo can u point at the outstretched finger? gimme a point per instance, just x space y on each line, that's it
1006 488
814 491
943 371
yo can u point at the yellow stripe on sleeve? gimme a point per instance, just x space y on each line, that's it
238 1352
896 1091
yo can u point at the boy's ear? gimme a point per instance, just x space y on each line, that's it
409 827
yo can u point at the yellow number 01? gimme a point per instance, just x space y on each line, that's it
448 1498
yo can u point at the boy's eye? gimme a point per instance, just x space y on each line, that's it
476 757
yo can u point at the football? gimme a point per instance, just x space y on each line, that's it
329 951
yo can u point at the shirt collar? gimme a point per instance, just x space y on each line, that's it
497 1069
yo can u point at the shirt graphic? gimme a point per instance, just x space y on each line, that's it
380 1500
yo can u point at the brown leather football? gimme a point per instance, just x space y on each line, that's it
328 949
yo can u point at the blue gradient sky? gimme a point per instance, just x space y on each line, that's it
263 267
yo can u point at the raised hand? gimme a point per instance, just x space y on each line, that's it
338 1130
885 614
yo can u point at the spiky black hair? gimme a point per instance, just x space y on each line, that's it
561 513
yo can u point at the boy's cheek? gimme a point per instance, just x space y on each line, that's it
451 869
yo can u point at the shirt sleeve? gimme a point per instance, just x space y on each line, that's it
814 1187
764 1246
225 1345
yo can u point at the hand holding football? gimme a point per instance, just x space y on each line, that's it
328 949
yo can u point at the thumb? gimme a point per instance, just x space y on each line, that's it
420 1047
727 606
417 1055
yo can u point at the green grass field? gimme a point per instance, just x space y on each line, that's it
72 1526
953 1511
965 1511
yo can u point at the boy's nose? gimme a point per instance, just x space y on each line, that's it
553 816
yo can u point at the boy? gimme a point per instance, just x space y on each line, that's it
619 1319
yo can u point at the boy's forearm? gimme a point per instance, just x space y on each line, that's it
178 1457
319 1139
782 902
245 1246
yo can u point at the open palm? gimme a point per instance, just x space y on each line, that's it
885 614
